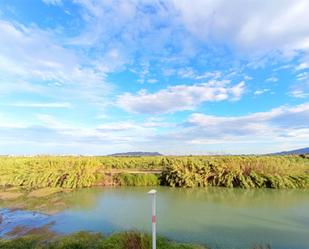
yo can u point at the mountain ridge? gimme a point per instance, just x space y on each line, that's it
293 152
136 153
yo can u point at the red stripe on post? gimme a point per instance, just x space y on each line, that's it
154 219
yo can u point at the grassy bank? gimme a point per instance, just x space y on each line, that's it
195 171
85 240
137 179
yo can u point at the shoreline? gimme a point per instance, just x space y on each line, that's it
44 238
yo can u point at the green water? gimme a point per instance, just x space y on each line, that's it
218 217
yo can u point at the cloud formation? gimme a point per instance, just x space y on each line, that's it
279 122
33 60
278 128
30 52
180 97
188 57
41 105
260 26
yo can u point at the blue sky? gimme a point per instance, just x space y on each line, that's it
175 76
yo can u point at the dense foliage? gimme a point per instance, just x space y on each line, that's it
39 172
137 179
84 240
237 171
226 171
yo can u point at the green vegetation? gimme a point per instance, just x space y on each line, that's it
137 179
85 240
237 171
69 172
41 172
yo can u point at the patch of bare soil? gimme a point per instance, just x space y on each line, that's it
17 231
5 195
44 192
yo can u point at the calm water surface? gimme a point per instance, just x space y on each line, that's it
218 217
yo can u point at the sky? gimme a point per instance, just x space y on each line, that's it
95 77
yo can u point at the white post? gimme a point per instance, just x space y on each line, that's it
153 218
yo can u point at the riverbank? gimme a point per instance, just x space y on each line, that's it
44 239
84 240
30 173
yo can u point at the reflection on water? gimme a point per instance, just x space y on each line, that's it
218 217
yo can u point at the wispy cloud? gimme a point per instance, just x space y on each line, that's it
41 105
278 122
272 79
261 91
34 60
31 53
299 93
282 125
302 66
210 21
51 135
53 2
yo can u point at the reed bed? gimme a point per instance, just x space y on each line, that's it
41 172
237 171
192 171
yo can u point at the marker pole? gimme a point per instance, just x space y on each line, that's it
154 217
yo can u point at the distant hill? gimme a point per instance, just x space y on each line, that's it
137 153
293 152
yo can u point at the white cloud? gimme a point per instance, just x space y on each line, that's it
302 66
49 122
145 35
179 29
180 97
301 88
272 79
9 85
6 121
213 75
35 61
299 93
279 122
41 105
259 26
259 92
190 73
170 28
132 27
48 134
277 129
53 2
31 53
238 90
302 76
247 77
152 81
